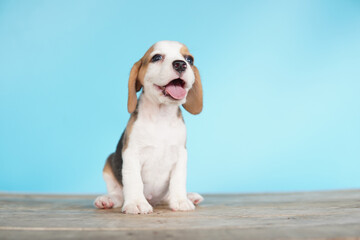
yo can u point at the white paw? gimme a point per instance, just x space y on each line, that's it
181 205
104 202
137 207
195 198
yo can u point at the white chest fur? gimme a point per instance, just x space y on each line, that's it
158 140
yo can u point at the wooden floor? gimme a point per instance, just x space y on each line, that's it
315 215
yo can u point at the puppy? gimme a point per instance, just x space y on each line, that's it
149 164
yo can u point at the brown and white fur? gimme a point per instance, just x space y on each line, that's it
149 165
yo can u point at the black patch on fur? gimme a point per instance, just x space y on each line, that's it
116 160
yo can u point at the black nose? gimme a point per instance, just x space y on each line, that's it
179 66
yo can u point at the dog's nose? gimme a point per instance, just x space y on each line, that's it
179 66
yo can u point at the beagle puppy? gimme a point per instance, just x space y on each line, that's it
149 164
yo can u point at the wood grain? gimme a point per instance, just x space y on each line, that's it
312 215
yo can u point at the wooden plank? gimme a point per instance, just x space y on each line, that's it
320 215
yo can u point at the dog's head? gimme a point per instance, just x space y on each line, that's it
167 75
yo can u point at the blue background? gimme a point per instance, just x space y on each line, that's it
281 82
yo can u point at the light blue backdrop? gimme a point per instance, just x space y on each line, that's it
281 82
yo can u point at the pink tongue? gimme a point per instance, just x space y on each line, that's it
175 91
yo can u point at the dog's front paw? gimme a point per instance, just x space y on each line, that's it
104 202
195 198
181 205
137 207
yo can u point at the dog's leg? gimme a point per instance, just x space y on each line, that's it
195 198
134 199
114 198
177 199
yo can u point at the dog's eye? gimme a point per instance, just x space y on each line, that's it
156 58
190 60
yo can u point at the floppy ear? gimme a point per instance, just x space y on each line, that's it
194 99
134 86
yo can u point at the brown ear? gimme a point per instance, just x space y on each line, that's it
134 86
194 99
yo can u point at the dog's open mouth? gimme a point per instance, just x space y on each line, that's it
174 89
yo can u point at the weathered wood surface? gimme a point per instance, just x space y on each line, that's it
314 215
